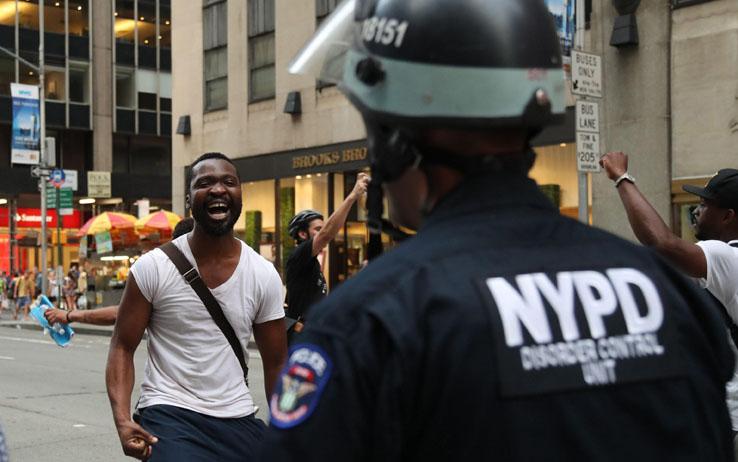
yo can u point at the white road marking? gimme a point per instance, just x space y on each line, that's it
7 357
43 342
79 425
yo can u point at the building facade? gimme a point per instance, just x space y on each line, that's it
670 102
108 105
297 142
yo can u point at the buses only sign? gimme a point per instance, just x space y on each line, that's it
586 74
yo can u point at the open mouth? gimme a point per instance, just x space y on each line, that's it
218 210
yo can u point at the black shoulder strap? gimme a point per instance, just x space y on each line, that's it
192 277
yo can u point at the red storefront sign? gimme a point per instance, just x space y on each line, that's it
31 218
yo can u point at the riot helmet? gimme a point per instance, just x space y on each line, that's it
412 65
301 222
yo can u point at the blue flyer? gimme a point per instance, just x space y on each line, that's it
61 333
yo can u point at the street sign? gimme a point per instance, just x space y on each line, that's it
70 180
57 177
588 116
586 74
66 201
588 152
98 184
38 172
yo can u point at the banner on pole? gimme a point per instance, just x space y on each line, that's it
563 14
26 139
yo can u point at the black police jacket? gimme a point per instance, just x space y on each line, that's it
506 331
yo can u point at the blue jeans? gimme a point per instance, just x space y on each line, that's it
186 435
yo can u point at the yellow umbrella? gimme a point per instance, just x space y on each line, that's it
107 221
157 222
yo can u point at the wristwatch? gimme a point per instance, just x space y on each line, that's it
625 176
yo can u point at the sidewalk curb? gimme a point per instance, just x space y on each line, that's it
105 331
79 329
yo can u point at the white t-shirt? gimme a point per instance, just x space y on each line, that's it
722 282
191 364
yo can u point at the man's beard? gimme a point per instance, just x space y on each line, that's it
217 228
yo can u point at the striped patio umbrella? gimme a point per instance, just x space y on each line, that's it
108 221
157 222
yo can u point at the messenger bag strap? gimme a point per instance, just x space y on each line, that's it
192 277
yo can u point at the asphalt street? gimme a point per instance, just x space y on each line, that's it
53 404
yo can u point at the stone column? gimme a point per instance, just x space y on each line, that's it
635 111
103 85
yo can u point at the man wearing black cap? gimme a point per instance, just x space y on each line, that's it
713 260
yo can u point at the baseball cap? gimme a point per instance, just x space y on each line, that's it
722 188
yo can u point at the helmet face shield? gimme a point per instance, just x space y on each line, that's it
324 56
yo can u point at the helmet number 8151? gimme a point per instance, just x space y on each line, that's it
385 31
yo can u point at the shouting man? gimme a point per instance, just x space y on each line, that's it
194 403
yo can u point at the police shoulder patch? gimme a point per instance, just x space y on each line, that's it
298 390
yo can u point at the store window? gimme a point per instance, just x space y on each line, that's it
165 27
54 16
7 12
147 23
55 88
150 155
350 248
147 83
79 19
261 50
125 89
257 225
28 14
165 92
79 82
555 171
215 40
125 22
7 74
26 74
323 8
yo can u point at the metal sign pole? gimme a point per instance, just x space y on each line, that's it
58 226
42 147
582 177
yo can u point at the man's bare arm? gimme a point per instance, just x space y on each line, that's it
271 339
335 222
134 311
648 226
100 317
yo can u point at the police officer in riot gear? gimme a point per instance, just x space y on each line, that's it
502 329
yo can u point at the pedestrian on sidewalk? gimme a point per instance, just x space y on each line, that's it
69 290
3 292
52 288
24 289
194 402
38 277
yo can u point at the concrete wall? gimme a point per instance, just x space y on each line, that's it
705 88
635 110
245 129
